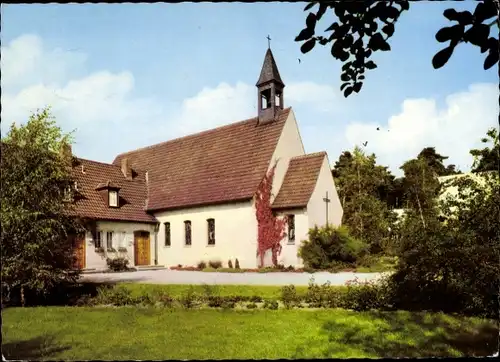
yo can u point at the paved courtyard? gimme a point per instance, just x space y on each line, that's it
165 276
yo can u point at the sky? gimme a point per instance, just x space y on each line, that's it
125 76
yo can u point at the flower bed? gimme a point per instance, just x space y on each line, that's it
260 270
356 296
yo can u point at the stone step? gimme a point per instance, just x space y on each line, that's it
149 267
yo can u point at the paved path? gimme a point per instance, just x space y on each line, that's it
193 277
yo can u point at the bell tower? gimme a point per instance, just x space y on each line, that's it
270 89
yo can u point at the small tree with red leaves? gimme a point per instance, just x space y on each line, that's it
271 229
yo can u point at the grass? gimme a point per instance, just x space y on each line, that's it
121 333
177 290
378 265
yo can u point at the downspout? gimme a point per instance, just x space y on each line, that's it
157 225
157 228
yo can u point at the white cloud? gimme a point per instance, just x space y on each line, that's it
101 106
214 107
453 129
322 96
26 62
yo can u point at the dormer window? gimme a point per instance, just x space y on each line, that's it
68 194
109 192
113 198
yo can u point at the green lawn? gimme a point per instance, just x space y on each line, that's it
177 290
153 333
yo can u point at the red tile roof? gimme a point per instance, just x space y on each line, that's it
219 165
92 203
300 179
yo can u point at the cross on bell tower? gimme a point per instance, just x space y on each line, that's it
270 88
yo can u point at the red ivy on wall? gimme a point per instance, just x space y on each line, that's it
271 230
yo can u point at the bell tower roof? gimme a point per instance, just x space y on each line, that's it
269 72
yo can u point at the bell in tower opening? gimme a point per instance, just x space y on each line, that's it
270 90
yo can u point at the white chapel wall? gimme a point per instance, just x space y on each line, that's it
289 251
123 235
289 145
235 235
316 208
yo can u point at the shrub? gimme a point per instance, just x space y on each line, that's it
236 264
251 305
189 299
84 300
166 300
216 264
332 297
314 295
228 304
117 264
328 245
362 296
270 304
145 299
230 264
116 296
290 268
255 299
215 301
202 265
289 296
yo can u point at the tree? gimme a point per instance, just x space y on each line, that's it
454 265
355 37
487 159
359 182
435 161
36 250
422 188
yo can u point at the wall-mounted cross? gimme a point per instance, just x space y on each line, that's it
268 41
326 200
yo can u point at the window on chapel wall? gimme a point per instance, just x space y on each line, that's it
211 231
187 232
98 239
109 240
291 229
167 233
123 237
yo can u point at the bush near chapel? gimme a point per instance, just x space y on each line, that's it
327 247
453 266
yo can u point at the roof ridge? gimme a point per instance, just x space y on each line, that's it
108 164
99 162
309 155
194 134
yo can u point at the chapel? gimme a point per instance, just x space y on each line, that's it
193 198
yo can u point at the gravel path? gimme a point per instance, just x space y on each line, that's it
194 277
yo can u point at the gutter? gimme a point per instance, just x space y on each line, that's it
156 229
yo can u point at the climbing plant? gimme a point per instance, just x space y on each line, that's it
271 229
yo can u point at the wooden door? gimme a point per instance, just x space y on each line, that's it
79 251
142 248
